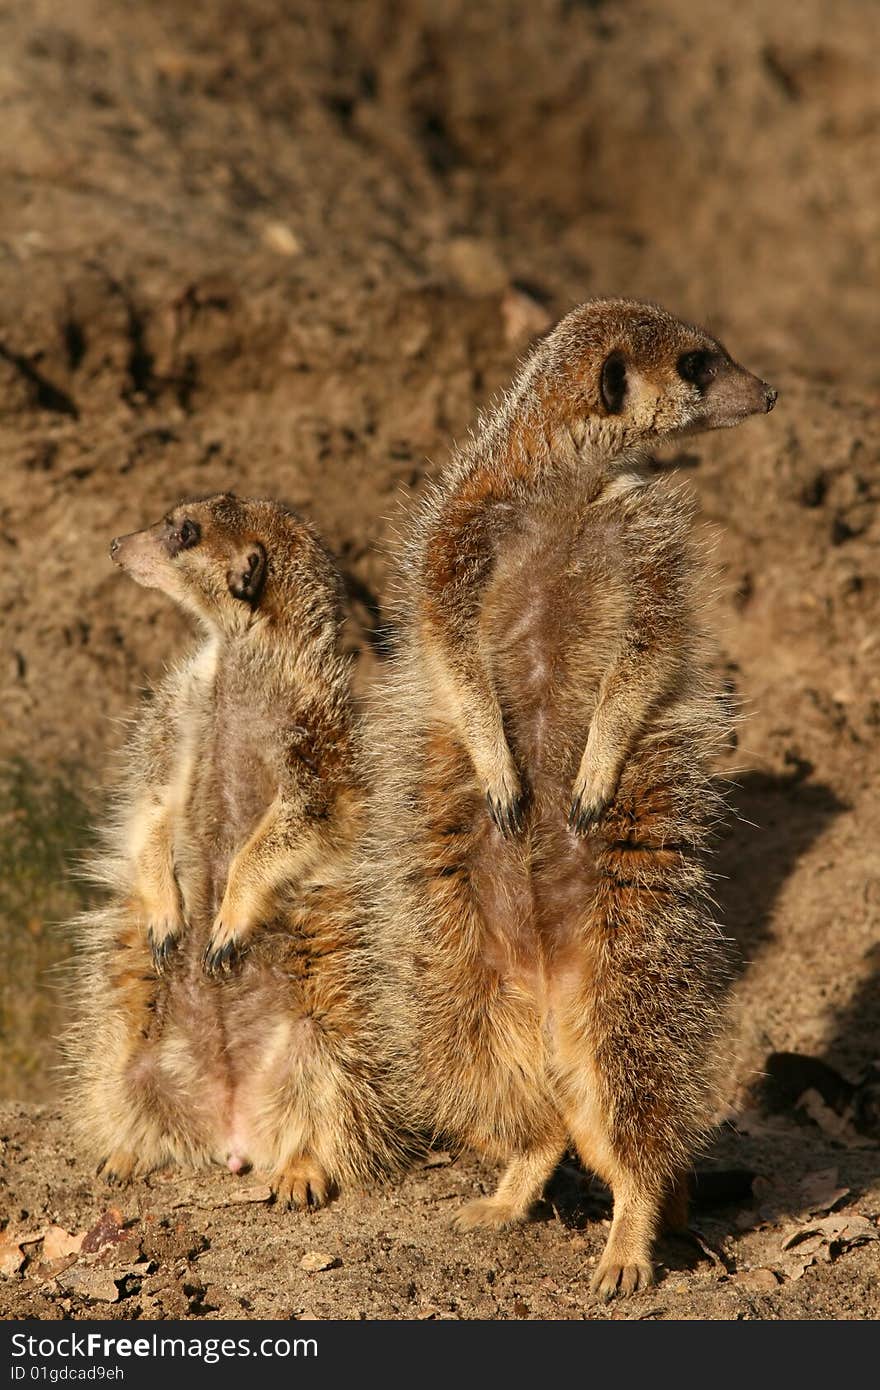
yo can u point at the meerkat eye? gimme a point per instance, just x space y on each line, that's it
612 384
188 534
698 368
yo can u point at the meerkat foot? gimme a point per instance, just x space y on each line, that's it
521 1185
625 1266
489 1214
117 1168
618 1275
302 1183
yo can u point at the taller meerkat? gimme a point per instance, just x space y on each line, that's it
543 784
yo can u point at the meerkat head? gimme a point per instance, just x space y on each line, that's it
630 374
236 563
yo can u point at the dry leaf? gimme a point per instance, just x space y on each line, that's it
844 1228
34 1238
820 1190
837 1127
108 1230
57 1242
12 1257
314 1261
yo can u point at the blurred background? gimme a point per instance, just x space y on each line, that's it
289 248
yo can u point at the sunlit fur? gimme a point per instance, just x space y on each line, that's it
223 1002
557 983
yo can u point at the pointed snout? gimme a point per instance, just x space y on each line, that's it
770 395
136 554
119 547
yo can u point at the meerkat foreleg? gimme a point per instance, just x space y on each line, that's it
274 853
466 691
458 564
520 1187
629 691
156 886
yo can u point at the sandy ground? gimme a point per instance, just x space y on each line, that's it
289 250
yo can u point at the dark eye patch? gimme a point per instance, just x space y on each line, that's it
182 537
612 384
698 368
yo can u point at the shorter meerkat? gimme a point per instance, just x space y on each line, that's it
223 1006
542 786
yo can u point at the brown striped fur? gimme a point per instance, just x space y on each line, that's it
542 783
224 1006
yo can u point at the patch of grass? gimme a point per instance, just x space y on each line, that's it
44 831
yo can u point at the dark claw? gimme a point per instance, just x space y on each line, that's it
582 818
100 1168
160 951
507 815
221 962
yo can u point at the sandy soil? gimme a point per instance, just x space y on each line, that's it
289 249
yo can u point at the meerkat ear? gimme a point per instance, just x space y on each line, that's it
612 384
247 573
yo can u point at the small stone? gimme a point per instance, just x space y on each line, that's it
252 1194
314 1261
437 1158
281 238
97 1285
757 1280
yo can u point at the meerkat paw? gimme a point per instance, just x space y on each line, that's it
618 1275
590 798
226 945
506 802
488 1214
118 1167
302 1184
163 934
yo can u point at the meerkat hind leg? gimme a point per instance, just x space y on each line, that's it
626 1265
520 1187
120 1166
301 1182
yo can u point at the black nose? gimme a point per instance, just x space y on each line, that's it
114 546
770 394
